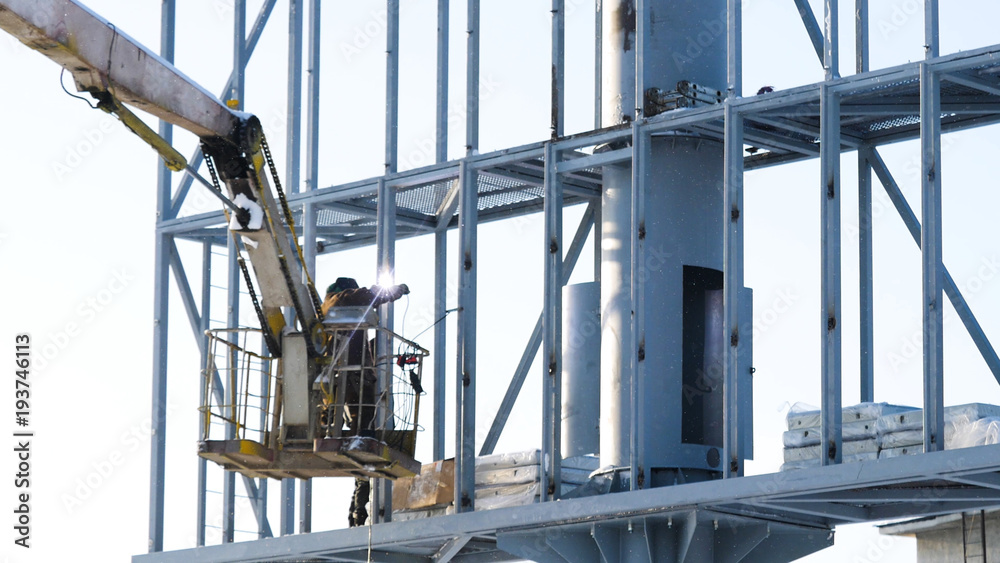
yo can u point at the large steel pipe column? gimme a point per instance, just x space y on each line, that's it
680 396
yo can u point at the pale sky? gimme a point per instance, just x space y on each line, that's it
77 245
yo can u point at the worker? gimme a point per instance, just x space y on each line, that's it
360 389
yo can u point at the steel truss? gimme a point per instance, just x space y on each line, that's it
859 113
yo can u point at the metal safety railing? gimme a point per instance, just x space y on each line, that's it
369 384
239 383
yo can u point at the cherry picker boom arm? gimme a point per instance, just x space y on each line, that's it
117 70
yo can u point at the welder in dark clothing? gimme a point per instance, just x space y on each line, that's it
360 387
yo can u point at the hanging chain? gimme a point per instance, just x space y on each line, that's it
272 342
313 294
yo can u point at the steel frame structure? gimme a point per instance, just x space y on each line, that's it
926 99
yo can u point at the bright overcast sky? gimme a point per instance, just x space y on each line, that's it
76 241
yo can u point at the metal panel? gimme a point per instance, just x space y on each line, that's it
866 276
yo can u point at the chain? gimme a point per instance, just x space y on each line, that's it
272 343
313 294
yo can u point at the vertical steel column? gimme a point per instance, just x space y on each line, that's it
441 239
931 237
161 288
866 274
641 154
391 85
558 68
385 242
472 80
440 335
830 317
441 117
733 242
294 112
312 183
552 325
640 69
831 40
287 507
598 74
206 323
233 275
232 321
861 41
465 423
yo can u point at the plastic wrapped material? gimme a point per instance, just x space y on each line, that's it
802 415
507 460
850 448
509 476
914 419
959 432
800 437
814 462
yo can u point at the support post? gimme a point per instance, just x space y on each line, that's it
440 338
287 507
861 41
305 507
294 113
472 80
552 326
441 150
386 249
930 251
465 424
831 39
866 276
558 67
637 352
733 282
391 85
206 324
830 290
312 101
598 62
161 288
232 321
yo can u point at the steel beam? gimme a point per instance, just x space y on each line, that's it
931 249
287 518
161 313
732 287
598 67
294 111
861 39
641 156
465 406
232 321
831 320
558 104
305 507
831 39
472 80
441 117
385 248
932 48
440 340
950 287
391 85
206 323
552 327
866 274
